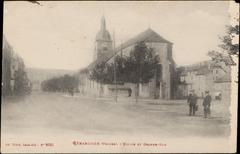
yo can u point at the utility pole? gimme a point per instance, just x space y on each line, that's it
115 81
115 71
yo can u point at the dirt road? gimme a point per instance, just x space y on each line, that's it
55 112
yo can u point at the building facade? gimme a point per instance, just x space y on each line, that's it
14 76
160 86
205 76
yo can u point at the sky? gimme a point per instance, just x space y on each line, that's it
61 34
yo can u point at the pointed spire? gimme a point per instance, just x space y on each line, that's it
103 23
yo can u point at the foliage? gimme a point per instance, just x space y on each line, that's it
22 84
219 57
228 45
227 40
103 73
64 83
140 66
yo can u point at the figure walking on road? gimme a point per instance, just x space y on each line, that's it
192 101
206 104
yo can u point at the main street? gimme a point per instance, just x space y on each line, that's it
58 112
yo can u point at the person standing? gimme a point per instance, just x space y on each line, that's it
206 104
129 92
192 101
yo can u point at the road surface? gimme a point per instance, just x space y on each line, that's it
56 113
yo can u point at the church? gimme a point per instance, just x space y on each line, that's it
161 86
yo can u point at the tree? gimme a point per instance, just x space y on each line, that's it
230 45
22 84
66 83
103 73
140 66
230 48
227 41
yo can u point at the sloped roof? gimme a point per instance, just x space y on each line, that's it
147 36
200 68
204 69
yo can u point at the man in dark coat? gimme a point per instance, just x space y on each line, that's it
192 101
206 104
129 92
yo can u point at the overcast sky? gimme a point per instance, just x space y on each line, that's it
61 34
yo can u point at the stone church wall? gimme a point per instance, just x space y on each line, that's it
149 90
161 49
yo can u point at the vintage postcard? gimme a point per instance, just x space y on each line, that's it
119 76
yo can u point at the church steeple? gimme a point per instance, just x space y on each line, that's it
103 42
103 24
103 34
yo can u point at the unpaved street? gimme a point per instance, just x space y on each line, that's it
57 113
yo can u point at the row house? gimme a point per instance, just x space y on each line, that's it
11 65
205 76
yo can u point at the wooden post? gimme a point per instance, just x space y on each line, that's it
115 81
115 73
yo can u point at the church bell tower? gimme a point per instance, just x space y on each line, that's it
103 41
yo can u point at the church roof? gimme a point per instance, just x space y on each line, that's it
146 36
103 34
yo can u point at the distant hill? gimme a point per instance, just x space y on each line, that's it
37 75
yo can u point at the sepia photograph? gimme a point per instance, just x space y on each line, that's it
119 77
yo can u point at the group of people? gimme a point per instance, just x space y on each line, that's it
193 107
